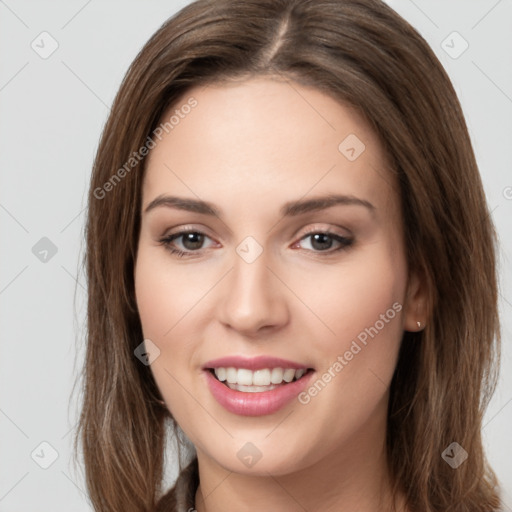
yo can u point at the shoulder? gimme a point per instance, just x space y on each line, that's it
181 497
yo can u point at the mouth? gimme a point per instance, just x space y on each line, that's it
257 381
256 386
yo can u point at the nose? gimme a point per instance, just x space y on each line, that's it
253 297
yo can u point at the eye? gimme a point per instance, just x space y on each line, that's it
321 241
192 241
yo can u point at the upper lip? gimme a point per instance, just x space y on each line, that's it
253 363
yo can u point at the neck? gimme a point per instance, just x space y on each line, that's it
354 477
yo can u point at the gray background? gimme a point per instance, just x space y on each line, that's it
52 113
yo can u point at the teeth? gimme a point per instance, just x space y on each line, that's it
289 373
277 375
244 377
299 373
231 375
251 389
261 377
221 374
257 378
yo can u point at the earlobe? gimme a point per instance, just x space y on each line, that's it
415 310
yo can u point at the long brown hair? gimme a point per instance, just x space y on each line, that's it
363 53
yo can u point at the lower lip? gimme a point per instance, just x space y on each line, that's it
256 404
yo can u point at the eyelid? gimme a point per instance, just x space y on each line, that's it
344 241
186 228
181 230
322 229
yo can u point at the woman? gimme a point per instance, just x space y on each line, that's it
290 260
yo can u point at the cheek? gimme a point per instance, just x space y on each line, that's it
356 295
162 301
165 292
172 300
363 306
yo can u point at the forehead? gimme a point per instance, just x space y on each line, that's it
266 140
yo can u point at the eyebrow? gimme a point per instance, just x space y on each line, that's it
289 209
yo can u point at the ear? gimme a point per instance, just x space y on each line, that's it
416 298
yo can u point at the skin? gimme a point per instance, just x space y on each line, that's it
249 147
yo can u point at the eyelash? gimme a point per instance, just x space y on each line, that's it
344 242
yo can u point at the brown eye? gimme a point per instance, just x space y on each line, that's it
323 241
191 241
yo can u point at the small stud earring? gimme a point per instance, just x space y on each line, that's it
418 324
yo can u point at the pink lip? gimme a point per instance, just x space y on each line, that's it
255 404
252 363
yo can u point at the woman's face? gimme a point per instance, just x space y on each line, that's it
271 277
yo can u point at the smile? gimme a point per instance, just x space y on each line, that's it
256 386
248 381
